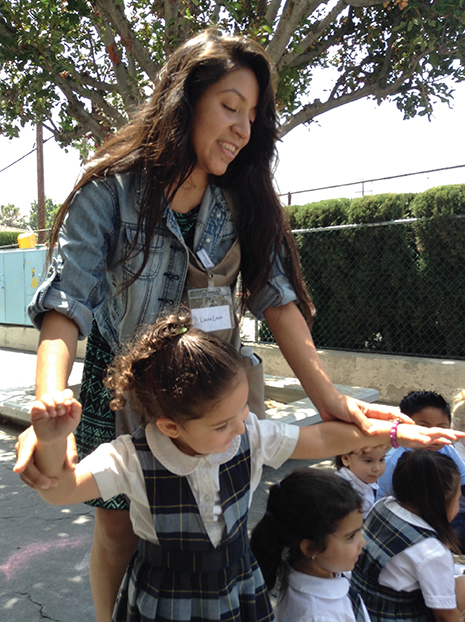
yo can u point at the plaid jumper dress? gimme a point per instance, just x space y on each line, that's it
356 604
387 535
184 577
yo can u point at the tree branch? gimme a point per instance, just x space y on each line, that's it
311 111
387 63
322 46
216 12
172 10
182 27
119 68
272 11
96 98
115 16
317 30
293 12
106 87
89 123
364 3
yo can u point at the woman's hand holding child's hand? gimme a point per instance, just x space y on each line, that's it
55 417
418 437
52 428
360 413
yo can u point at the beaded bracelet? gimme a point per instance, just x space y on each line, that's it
393 433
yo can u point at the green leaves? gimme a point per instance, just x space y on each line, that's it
57 58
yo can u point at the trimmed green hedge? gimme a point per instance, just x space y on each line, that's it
8 237
441 246
390 288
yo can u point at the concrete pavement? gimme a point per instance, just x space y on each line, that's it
44 550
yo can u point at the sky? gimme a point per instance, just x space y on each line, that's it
358 141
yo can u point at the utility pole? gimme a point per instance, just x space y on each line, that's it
41 221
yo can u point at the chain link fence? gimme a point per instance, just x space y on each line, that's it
395 287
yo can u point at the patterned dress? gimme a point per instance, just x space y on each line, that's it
387 535
97 424
356 604
184 577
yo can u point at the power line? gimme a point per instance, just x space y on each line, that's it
24 156
367 181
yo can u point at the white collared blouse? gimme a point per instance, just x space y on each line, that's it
117 470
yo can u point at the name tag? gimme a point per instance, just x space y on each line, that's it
211 308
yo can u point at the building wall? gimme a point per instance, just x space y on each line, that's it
392 376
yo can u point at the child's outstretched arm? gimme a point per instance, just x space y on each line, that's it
334 438
52 431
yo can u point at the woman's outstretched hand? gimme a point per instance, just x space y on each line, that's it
355 411
56 405
418 437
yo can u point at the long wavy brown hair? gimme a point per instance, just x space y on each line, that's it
158 141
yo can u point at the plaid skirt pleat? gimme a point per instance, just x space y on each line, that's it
97 424
150 592
184 578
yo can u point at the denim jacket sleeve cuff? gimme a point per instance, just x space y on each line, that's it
277 293
48 298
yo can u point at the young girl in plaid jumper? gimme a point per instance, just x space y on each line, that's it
189 472
309 536
406 570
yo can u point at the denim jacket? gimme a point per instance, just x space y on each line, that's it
86 277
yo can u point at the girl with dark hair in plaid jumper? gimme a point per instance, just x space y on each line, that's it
190 471
406 570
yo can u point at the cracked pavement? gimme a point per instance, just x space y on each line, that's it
44 549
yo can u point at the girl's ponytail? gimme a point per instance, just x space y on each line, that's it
173 369
427 481
267 542
309 504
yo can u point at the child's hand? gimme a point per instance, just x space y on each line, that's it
52 424
418 437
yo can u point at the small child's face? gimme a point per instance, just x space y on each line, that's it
367 466
431 417
342 550
214 432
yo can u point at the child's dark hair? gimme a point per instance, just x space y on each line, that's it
428 481
337 463
415 401
173 369
308 504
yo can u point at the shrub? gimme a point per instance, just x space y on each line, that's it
441 244
386 288
8 237
320 214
